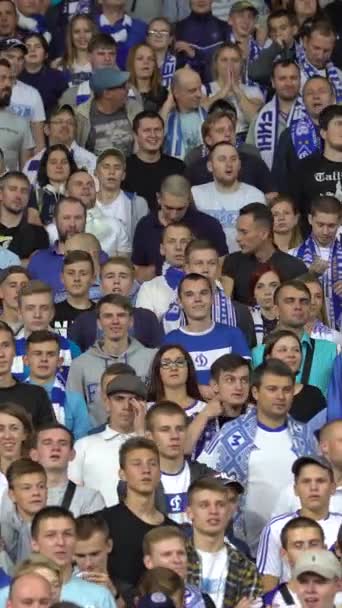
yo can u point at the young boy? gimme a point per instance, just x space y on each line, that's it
11 281
36 310
43 359
78 275
27 494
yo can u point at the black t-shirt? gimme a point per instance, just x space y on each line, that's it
308 403
125 562
25 238
65 315
315 176
33 399
241 266
145 178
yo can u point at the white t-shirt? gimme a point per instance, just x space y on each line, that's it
127 211
96 464
27 102
225 206
251 92
268 557
268 471
110 232
214 568
156 295
176 493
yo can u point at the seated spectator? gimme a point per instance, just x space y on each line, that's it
230 380
81 185
97 456
228 83
76 63
16 144
201 334
298 535
317 324
149 166
308 405
43 359
9 20
319 571
61 129
12 280
239 267
33 399
114 316
108 106
164 420
102 54
114 205
202 257
36 310
20 237
291 440
160 292
53 448
233 576
174 201
93 545
159 38
303 138
307 470
164 583
145 81
78 276
46 265
117 276
219 127
242 20
183 126
226 195
50 83
45 568
87 243
263 284
27 491
128 521
25 99
56 166
125 30
198 36
16 424
286 231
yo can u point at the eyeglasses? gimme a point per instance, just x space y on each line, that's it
168 364
158 33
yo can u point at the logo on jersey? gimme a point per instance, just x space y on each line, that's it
236 440
201 361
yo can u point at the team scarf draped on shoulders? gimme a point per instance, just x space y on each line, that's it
174 142
305 136
331 74
57 397
119 34
307 252
267 126
167 69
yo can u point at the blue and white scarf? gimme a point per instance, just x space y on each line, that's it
223 311
331 74
267 124
258 324
167 70
307 252
305 136
174 142
20 371
120 34
83 92
254 51
173 276
57 397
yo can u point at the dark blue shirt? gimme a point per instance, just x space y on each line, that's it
50 83
148 234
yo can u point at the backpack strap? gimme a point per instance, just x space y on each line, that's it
68 495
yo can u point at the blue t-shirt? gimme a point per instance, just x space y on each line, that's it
207 346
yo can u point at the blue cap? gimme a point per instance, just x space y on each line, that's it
155 600
107 78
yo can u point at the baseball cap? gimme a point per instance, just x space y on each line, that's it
107 78
230 481
321 562
12 43
155 600
310 459
243 5
127 383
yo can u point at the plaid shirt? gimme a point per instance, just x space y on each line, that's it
242 580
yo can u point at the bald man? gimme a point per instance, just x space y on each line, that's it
183 127
29 590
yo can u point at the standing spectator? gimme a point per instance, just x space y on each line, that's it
145 80
16 144
226 195
272 389
286 232
149 166
159 37
76 61
198 36
318 42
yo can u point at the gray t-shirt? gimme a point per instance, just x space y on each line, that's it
15 136
108 131
85 500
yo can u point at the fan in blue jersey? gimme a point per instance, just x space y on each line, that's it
204 339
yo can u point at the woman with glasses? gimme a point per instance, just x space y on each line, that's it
173 378
159 38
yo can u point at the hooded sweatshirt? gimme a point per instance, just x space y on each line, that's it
86 371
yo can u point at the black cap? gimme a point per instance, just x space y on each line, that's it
12 43
127 383
229 480
321 461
